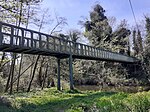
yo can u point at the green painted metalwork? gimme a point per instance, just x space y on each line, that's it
58 74
33 42
71 72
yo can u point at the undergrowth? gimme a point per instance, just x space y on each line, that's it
51 100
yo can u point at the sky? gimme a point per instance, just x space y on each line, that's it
73 10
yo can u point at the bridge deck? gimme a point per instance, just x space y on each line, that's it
21 40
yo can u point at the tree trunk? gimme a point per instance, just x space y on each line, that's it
40 80
14 54
3 57
44 78
40 76
22 73
12 72
33 74
8 80
20 66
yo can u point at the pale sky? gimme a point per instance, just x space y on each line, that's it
72 10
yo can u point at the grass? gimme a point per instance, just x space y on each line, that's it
51 100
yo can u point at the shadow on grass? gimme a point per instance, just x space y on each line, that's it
64 103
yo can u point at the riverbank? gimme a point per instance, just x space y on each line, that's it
126 89
51 100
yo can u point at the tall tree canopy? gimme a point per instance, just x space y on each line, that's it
97 30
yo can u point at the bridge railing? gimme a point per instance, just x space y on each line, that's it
25 38
85 50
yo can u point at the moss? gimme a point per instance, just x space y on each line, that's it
51 100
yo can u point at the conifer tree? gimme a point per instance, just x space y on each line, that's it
135 46
147 32
147 42
98 30
140 42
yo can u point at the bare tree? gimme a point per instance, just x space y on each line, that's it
60 21
112 22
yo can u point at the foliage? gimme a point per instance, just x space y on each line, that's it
120 40
98 30
51 100
100 35
139 39
135 45
12 11
147 46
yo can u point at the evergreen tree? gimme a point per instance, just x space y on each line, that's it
140 42
97 30
120 40
147 45
147 32
135 46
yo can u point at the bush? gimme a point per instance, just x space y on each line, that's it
5 101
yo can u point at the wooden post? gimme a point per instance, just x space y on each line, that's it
71 72
58 75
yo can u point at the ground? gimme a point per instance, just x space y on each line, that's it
51 100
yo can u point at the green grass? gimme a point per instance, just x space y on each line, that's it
51 100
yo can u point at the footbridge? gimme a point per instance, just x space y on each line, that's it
21 40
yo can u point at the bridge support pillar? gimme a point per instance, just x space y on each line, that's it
58 75
71 72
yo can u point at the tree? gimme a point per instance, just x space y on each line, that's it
38 57
74 35
140 42
147 33
147 45
14 55
97 30
15 12
120 40
135 46
60 21
112 22
59 24
99 33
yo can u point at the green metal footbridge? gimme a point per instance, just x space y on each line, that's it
21 40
